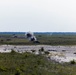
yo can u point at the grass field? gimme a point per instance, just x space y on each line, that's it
54 39
29 64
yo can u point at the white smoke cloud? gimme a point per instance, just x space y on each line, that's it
31 36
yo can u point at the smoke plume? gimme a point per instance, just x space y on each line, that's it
31 36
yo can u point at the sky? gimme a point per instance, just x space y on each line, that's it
38 15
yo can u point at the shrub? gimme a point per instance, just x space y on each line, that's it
73 61
13 51
33 51
18 72
42 49
46 52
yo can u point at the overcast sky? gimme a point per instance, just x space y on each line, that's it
38 15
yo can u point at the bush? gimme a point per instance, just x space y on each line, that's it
13 51
18 71
42 49
73 61
46 52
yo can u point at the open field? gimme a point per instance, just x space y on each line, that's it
29 64
55 43
19 56
43 38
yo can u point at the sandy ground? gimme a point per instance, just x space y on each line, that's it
57 53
